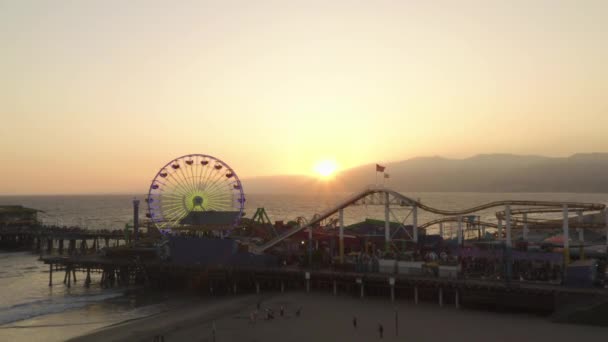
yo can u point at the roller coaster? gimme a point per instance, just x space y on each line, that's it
514 218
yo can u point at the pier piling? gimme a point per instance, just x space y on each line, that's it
87 281
362 290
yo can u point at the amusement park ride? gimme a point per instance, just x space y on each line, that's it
201 193
197 204
195 192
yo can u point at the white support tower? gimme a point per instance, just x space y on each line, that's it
415 222
341 242
566 236
606 224
581 235
499 237
508 224
387 223
525 230
581 231
459 232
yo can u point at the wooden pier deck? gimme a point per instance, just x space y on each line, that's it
69 239
226 280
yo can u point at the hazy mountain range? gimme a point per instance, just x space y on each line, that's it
583 172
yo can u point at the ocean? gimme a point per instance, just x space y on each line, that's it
31 310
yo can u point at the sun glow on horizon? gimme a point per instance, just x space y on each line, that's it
326 168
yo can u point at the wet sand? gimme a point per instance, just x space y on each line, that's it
328 318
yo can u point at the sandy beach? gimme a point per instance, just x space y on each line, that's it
328 318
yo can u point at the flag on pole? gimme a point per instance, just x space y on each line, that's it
380 168
386 175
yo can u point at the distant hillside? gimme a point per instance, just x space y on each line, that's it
480 173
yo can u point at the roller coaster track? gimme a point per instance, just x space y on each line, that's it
501 214
516 223
402 200
455 219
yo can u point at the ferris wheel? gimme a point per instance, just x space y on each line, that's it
193 183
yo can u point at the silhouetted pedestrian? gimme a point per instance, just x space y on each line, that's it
381 330
298 312
282 311
212 331
355 322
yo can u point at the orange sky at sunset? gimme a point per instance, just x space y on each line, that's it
97 95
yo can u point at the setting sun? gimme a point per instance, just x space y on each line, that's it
326 168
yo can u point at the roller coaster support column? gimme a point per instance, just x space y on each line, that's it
341 242
525 226
508 243
606 224
387 223
499 237
566 237
415 223
441 229
459 232
581 236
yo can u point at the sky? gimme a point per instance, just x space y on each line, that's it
96 96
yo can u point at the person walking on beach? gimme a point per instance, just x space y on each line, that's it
355 322
282 311
381 330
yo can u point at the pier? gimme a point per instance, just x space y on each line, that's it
401 263
70 240
225 280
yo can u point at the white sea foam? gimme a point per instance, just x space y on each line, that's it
40 307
